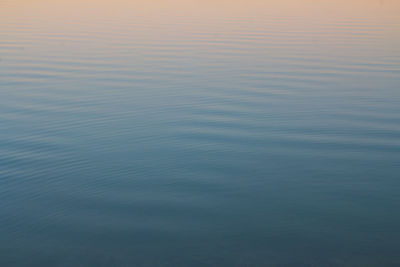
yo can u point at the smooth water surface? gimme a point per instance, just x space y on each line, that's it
199 133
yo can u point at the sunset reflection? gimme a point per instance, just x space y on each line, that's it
199 133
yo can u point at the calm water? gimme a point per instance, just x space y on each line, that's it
199 133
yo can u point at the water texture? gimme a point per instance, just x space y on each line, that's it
199 133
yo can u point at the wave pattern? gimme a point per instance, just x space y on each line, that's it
243 139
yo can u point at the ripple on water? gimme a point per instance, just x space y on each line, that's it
215 134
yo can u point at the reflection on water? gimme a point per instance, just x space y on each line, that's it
193 133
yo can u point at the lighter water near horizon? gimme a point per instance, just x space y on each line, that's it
199 133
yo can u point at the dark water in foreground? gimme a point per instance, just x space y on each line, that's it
188 133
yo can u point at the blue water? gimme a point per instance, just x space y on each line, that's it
199 136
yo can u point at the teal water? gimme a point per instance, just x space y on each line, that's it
228 134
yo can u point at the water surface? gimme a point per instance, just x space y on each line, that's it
199 133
